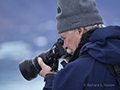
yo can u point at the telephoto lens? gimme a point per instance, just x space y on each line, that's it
29 68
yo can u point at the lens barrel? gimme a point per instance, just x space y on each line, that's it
28 70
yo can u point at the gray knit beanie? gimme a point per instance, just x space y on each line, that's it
76 13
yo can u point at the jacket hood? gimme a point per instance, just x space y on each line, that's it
104 45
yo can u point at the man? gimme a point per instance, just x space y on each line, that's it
91 44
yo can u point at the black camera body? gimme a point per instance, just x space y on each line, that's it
30 68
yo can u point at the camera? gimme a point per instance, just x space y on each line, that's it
30 68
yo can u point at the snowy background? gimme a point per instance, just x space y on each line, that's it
27 28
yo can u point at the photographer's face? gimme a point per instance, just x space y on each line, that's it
71 41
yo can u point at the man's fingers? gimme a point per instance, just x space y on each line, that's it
45 68
40 61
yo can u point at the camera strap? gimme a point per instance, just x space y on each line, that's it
115 71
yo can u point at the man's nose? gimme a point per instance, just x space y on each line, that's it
65 46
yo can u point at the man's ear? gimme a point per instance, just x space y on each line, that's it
81 31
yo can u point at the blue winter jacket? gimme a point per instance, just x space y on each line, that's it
91 73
